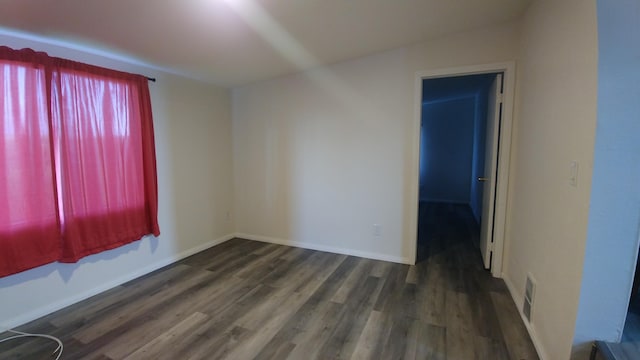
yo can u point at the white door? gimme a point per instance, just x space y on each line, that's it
490 170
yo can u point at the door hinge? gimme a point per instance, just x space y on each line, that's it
500 98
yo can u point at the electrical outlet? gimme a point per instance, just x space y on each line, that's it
376 230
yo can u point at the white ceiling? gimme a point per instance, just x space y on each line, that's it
233 42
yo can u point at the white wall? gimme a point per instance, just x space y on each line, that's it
612 240
555 124
193 147
321 156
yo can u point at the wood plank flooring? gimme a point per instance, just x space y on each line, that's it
252 300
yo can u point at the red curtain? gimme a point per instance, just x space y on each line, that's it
78 160
28 212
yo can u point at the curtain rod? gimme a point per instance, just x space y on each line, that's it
151 79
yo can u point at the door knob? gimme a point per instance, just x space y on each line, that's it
483 179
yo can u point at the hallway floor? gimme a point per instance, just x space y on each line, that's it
442 226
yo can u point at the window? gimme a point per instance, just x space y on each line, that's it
77 160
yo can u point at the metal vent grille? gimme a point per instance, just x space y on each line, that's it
529 293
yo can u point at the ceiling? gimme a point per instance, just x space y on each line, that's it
234 42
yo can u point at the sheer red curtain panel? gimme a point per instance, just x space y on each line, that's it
29 232
78 160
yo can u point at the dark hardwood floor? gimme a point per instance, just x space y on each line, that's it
443 226
251 300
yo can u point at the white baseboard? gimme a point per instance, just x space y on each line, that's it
331 249
532 332
50 308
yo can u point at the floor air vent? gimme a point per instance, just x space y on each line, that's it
529 292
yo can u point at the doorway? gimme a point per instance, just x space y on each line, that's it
453 177
451 161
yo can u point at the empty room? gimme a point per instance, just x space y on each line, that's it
258 179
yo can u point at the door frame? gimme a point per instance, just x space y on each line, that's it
504 155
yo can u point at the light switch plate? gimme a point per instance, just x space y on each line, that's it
573 173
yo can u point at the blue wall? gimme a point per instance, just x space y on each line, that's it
452 150
614 215
447 150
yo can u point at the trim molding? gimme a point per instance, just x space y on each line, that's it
42 311
530 329
500 211
331 249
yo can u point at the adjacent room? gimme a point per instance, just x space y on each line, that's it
240 179
453 126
